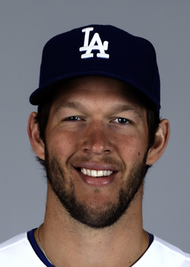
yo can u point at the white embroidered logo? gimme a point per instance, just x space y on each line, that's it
88 47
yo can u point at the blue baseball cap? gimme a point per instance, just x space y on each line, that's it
102 50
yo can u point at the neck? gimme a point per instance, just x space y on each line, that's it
69 243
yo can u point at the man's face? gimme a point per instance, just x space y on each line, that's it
96 147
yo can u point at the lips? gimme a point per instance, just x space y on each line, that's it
96 174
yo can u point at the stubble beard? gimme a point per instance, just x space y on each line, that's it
94 217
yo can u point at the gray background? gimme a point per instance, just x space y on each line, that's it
25 26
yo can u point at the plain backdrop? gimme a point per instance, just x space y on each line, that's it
25 26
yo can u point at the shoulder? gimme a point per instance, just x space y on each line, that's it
13 243
169 249
163 254
17 251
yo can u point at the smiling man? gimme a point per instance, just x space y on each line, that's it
97 131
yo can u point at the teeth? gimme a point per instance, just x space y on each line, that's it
95 173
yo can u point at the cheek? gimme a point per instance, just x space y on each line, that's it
131 147
62 144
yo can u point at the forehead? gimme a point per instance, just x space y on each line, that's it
97 87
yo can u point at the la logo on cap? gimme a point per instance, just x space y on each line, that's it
95 44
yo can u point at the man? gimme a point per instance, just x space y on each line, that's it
97 131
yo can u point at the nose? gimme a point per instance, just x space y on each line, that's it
97 139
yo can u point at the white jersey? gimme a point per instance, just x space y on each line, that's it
23 251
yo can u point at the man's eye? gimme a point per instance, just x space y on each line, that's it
122 120
73 118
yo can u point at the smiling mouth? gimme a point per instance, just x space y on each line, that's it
96 173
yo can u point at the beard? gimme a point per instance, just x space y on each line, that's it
94 217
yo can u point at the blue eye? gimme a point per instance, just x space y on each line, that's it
72 118
122 120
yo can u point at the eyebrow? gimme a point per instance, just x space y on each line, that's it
121 108
73 105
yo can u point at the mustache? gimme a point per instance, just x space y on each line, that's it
117 164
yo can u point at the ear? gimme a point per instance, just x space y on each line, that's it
160 143
34 136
